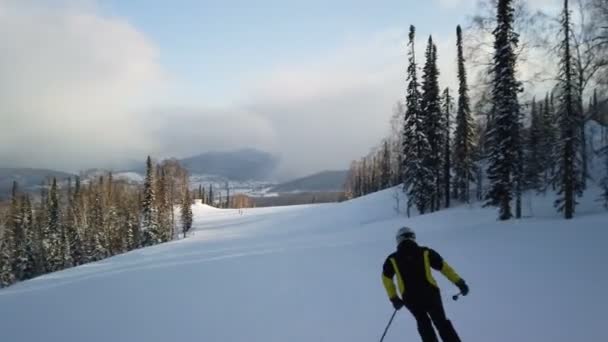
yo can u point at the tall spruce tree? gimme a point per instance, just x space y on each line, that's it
448 104
433 122
31 237
417 178
52 236
186 211
385 166
150 225
569 170
97 245
163 205
503 135
9 266
72 237
19 235
464 136
7 277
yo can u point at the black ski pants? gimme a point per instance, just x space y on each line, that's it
427 309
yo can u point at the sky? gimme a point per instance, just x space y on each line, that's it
95 83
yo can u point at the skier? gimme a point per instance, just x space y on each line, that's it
411 264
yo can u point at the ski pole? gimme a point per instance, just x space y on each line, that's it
455 297
388 325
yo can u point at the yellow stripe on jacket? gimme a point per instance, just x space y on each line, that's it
388 283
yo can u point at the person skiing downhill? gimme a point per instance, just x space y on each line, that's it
411 264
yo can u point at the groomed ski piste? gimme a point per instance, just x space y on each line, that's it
312 273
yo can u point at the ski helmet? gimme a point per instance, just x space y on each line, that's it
405 233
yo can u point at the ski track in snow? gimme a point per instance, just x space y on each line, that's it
312 273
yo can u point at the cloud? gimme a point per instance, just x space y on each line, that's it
186 131
69 77
334 109
81 89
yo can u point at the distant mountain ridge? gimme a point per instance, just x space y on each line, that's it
240 165
29 179
326 181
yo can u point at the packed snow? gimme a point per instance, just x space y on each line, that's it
312 273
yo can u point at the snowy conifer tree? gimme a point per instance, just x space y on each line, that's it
417 178
163 206
53 233
503 136
19 235
10 267
464 136
31 245
385 166
433 123
570 169
448 104
7 277
186 211
98 246
72 241
149 221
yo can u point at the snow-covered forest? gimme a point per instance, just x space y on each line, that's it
502 132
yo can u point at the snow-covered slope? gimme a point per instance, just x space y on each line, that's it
312 273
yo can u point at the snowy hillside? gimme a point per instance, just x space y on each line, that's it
312 273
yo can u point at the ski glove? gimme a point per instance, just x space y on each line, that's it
397 303
464 288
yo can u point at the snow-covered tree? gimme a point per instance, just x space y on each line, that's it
72 239
7 276
52 235
417 178
18 226
433 123
32 249
385 166
149 221
98 243
569 112
163 205
448 105
464 135
186 211
503 136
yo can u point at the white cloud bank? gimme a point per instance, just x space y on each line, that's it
80 89
68 77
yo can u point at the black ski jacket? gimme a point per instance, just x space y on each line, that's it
411 265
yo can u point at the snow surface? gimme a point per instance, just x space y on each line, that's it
312 273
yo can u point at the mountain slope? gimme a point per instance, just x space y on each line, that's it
28 179
322 181
312 273
241 165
